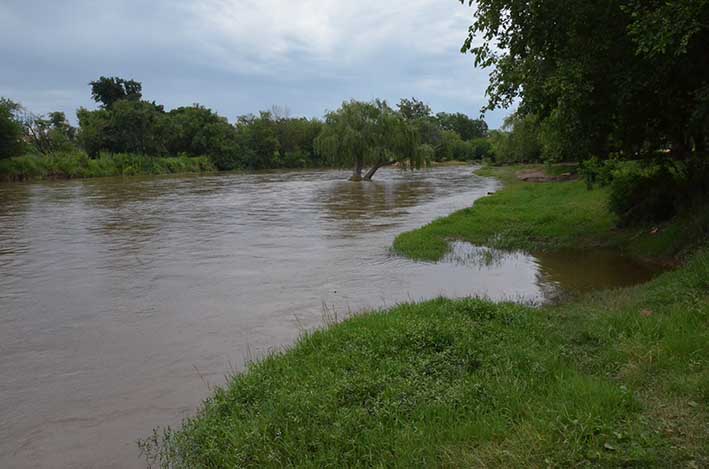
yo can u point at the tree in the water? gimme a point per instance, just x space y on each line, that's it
369 135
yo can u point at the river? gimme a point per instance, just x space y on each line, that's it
123 300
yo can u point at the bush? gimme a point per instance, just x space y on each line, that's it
658 191
79 165
642 195
598 172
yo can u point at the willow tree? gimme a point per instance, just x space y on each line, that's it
370 135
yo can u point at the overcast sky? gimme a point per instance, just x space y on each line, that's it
241 56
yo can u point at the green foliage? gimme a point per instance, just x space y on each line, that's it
641 195
368 134
453 148
482 148
128 126
519 141
598 172
467 128
108 91
10 130
51 134
413 109
196 130
68 165
259 140
296 137
666 27
655 192
601 77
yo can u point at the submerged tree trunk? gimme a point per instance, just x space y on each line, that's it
373 169
357 170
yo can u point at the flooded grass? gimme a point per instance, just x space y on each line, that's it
617 378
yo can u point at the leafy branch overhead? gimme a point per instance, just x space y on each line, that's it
604 76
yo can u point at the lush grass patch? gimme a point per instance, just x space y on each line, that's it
79 165
547 216
618 379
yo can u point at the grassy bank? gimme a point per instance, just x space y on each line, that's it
79 165
615 379
547 216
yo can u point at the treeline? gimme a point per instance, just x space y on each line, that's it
127 124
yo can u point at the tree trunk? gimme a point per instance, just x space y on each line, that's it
679 150
357 170
373 169
700 145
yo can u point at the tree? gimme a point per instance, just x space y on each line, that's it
198 131
296 137
10 129
467 128
518 142
128 126
370 135
606 76
50 134
259 141
413 109
108 90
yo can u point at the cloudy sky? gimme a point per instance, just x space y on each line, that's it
241 56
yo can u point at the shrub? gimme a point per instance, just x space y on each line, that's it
658 191
79 165
642 195
598 172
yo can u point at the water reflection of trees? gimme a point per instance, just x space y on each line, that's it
14 198
363 207
583 271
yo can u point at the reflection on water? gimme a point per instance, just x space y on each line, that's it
560 272
120 297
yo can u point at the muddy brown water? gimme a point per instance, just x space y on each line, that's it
122 300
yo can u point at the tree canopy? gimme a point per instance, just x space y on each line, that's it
10 129
108 90
361 134
605 76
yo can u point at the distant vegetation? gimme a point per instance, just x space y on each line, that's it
365 133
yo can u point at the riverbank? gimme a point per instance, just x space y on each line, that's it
79 165
615 378
547 217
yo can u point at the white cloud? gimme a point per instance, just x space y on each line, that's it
239 56
256 35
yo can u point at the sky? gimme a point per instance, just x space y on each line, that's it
241 56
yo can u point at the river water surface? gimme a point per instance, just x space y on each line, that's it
122 300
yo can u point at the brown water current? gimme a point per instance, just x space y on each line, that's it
121 300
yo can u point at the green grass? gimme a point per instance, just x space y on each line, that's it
617 378
79 165
549 216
